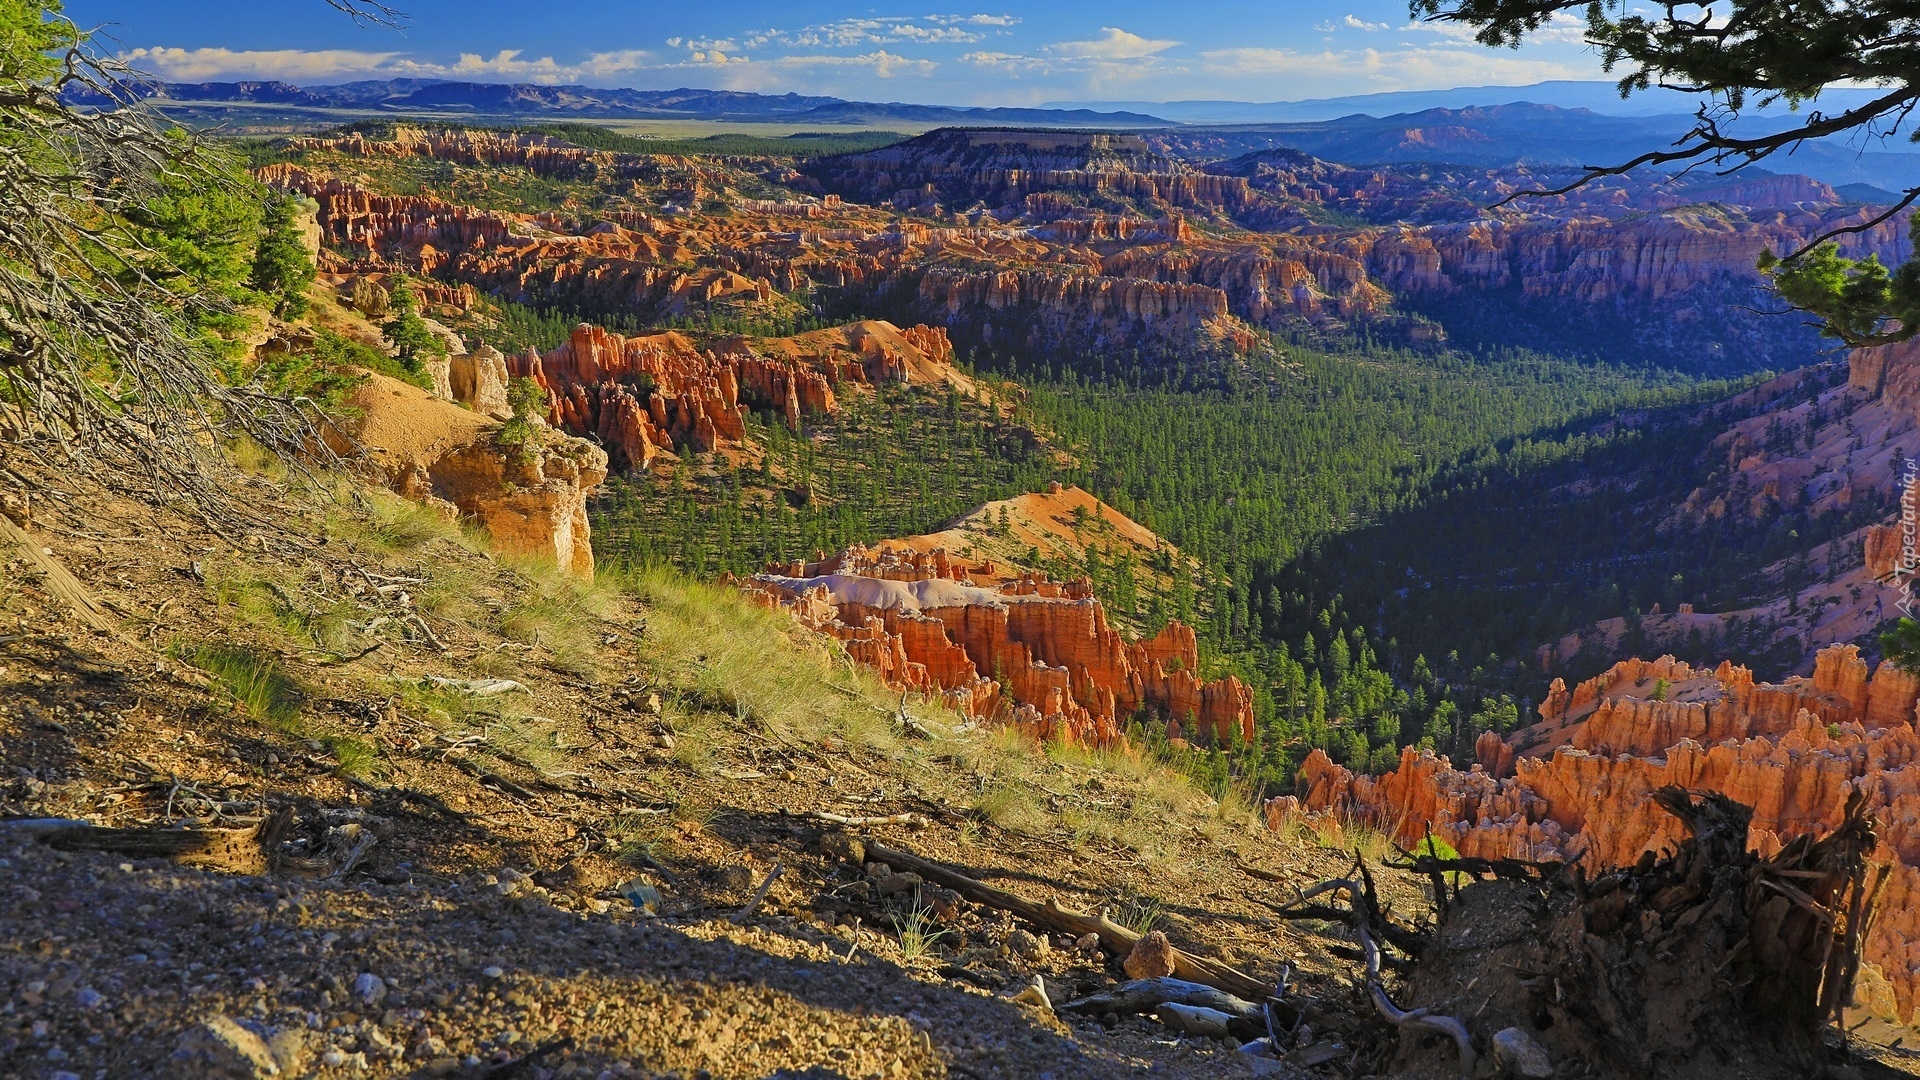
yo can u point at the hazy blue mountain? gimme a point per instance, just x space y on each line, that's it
1598 96
1534 134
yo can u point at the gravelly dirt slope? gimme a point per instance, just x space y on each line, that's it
454 893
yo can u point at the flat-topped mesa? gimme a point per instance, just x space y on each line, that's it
1028 650
653 394
542 155
1581 781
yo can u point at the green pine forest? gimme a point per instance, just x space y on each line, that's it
1372 519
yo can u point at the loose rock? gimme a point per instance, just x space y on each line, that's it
1517 1054
1151 958
221 1047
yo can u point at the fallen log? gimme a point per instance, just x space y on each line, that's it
1115 938
1145 995
239 850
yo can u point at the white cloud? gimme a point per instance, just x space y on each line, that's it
1112 44
294 65
1389 69
972 20
884 30
325 65
1352 22
507 64
1561 29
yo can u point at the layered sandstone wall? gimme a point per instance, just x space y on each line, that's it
1793 751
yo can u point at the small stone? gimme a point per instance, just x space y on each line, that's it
222 1047
369 989
1088 944
290 1050
1025 945
1516 1053
644 897
840 845
89 998
492 971
897 883
1151 958
946 904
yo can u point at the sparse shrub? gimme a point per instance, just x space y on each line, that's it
1137 912
523 433
917 931
1440 849
370 299
357 757
393 524
1011 807
253 682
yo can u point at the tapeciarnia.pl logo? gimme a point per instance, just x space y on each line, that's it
1905 568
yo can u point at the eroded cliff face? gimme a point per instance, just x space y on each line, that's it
1581 780
532 501
1070 238
655 393
1821 442
1024 650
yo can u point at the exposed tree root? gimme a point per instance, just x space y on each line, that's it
1710 962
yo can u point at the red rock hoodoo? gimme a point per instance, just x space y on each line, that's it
1585 774
647 395
1037 652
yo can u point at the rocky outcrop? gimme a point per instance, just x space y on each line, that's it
532 500
1581 780
1819 442
478 380
655 393
1036 653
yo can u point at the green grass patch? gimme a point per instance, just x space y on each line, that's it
253 682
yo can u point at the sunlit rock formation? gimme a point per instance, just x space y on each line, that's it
1025 650
1579 783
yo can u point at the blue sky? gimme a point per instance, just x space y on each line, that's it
1006 54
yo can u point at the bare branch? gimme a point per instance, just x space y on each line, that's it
370 12
1707 144
1913 194
101 367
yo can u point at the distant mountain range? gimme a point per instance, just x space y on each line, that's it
1599 97
1548 124
1534 134
432 97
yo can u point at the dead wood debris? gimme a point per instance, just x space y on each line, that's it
1115 938
1709 962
